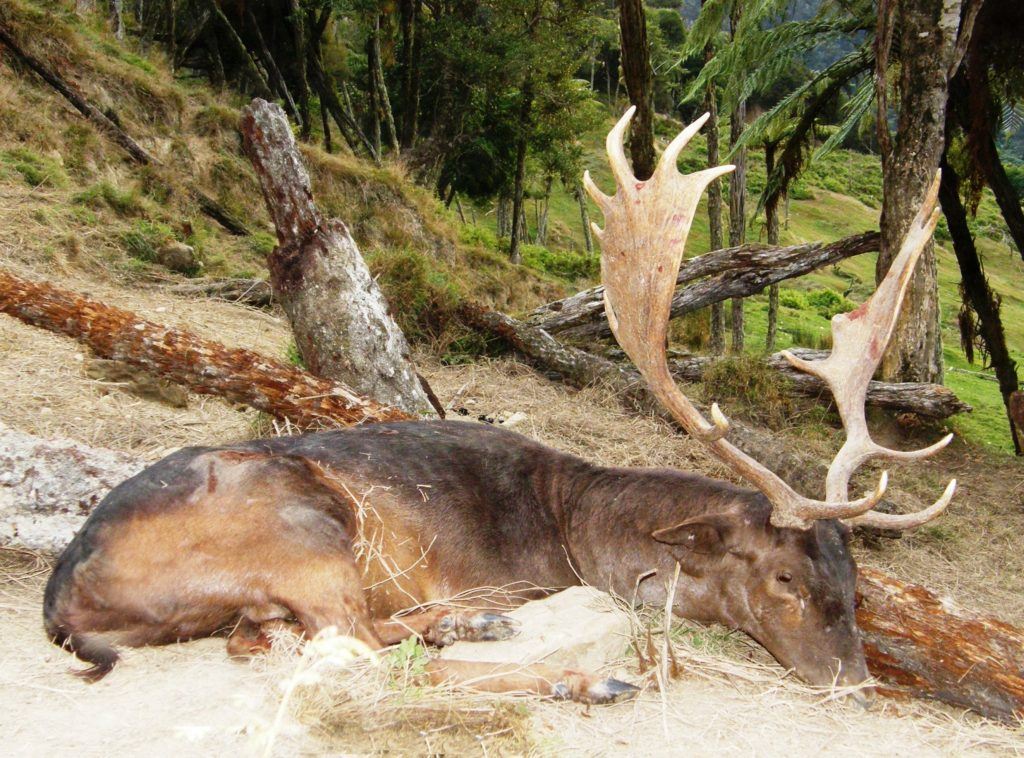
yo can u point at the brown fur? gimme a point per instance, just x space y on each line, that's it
348 528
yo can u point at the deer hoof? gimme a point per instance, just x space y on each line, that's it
599 692
479 627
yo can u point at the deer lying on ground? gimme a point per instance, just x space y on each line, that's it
348 528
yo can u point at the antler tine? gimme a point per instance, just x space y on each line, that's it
859 340
670 157
615 146
900 522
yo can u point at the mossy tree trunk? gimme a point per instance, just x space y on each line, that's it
927 35
737 192
339 317
717 342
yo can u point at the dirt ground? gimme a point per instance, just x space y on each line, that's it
190 700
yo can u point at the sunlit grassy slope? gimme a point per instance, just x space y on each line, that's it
839 197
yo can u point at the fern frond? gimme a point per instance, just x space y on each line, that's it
855 108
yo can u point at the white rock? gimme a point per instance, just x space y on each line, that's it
580 628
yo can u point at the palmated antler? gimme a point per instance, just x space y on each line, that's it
646 226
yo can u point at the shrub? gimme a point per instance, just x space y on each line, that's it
475 235
566 264
122 202
792 299
422 297
763 390
144 239
828 302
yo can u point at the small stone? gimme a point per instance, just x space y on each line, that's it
579 628
177 256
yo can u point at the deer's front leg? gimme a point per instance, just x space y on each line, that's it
444 625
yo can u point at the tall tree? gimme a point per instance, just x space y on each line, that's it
737 182
636 70
717 341
926 32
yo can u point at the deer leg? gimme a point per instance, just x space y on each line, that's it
321 591
538 679
443 625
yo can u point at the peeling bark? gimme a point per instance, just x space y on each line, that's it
338 314
735 272
204 366
921 645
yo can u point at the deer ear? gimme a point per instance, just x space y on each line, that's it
706 535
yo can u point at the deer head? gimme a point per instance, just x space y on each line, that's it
792 567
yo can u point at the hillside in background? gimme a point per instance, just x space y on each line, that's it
79 203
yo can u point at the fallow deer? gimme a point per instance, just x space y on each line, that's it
348 528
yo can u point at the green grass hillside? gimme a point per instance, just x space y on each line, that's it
75 202
837 197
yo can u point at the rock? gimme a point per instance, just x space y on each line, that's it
177 256
136 381
579 628
48 487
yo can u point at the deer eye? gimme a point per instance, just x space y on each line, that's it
785 577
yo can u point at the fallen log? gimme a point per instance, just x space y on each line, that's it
204 366
338 314
580 368
254 292
119 136
735 272
927 400
918 644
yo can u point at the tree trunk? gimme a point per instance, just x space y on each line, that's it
374 101
738 271
636 69
117 17
276 79
977 292
411 46
771 214
588 239
325 124
339 317
300 43
380 86
927 33
259 82
542 213
717 341
737 214
217 75
525 108
202 366
324 87
919 644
